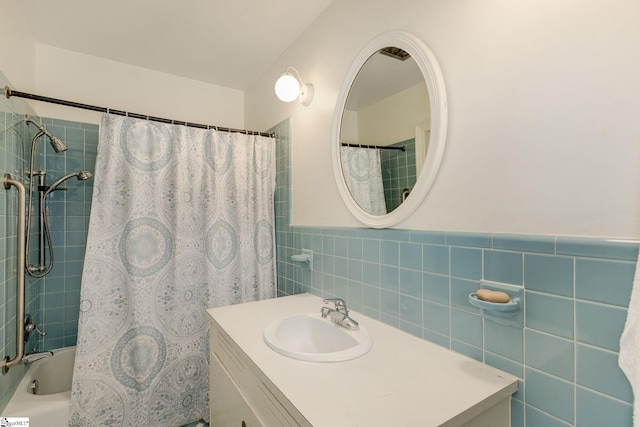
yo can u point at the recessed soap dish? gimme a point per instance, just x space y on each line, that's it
509 313
512 305
306 257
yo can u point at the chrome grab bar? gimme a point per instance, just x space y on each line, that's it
7 362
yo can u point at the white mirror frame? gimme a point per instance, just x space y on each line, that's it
428 64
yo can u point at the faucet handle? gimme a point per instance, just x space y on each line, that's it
29 327
340 304
324 312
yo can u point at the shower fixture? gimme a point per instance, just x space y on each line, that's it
82 175
56 143
42 268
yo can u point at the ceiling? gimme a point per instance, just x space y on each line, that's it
381 77
224 42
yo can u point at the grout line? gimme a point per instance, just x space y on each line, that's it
575 345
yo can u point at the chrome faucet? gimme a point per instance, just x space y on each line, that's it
338 315
29 327
32 357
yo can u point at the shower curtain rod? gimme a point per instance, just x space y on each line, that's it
379 147
8 92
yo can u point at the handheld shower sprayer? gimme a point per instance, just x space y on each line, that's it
82 175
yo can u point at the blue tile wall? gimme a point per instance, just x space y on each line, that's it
600 324
549 353
69 219
15 139
576 296
398 172
595 410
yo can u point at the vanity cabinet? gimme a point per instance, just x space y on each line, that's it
239 396
401 381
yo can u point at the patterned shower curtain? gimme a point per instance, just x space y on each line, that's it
363 174
182 219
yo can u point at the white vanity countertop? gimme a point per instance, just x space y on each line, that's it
401 381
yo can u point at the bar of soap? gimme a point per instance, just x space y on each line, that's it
492 296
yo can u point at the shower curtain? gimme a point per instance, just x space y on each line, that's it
182 219
363 175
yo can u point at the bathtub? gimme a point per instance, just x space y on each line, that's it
50 406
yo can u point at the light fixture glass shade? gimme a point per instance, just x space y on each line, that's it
287 88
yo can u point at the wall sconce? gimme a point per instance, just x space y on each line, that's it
288 88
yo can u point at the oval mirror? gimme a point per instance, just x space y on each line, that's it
389 129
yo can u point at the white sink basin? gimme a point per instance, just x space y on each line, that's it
310 337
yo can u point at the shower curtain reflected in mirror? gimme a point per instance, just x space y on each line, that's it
363 175
182 220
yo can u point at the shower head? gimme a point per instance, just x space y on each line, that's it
56 143
82 175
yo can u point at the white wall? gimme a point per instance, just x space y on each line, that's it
349 128
17 48
544 98
91 80
394 119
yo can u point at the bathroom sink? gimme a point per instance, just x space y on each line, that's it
311 338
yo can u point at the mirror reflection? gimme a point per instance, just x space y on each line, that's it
384 132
